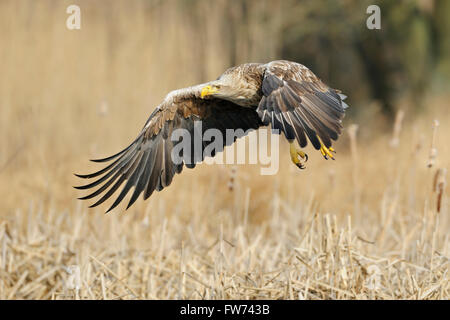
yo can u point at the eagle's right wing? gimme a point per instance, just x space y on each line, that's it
147 164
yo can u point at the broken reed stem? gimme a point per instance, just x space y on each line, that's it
439 186
433 149
182 283
352 130
231 182
397 129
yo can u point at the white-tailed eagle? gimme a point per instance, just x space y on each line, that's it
284 94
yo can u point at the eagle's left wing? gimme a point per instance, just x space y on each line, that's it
299 104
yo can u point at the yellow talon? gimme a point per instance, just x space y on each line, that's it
326 152
295 154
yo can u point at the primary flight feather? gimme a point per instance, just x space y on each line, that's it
284 94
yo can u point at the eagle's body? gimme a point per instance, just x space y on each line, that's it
285 94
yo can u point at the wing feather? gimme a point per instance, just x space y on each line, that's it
123 177
132 179
297 103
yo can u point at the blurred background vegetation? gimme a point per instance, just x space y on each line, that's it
407 57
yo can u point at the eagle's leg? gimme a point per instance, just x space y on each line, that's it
296 154
326 152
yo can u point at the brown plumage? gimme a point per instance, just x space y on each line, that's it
285 94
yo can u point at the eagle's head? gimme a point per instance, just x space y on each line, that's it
232 87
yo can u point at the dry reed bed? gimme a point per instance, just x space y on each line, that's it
292 256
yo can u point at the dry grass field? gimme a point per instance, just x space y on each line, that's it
366 226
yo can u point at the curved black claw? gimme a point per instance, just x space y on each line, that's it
301 166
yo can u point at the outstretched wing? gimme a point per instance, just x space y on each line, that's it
300 105
147 163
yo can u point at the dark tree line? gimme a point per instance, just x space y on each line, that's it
408 56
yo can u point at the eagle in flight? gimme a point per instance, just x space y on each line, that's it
284 94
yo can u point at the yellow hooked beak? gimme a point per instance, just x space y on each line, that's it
208 90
